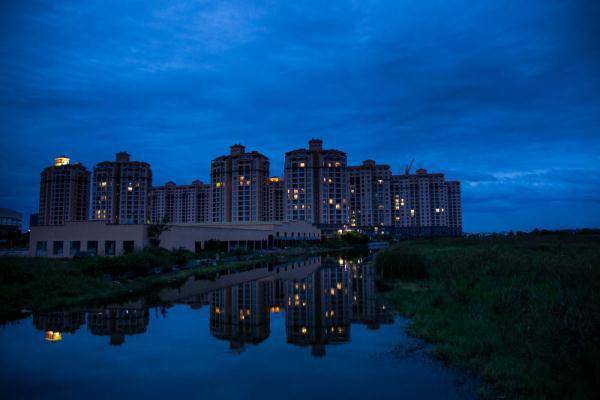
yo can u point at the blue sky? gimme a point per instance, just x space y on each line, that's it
501 95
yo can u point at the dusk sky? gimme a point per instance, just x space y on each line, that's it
502 95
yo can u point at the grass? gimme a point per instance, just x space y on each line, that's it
522 312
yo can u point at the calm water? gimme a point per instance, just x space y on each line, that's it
310 329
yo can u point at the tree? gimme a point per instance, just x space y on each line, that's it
156 230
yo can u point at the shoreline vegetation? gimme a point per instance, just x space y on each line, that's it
40 284
521 312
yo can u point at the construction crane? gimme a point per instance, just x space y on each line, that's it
408 167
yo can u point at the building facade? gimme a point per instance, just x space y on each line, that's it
454 207
121 191
370 201
106 239
316 183
183 204
64 193
420 204
237 186
10 221
274 200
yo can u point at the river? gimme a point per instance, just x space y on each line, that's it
314 328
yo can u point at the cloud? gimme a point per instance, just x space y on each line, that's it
504 95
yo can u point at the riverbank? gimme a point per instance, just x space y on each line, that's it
38 284
522 312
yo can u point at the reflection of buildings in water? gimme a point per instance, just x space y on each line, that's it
118 321
318 308
366 306
59 321
275 294
363 293
198 301
336 302
239 313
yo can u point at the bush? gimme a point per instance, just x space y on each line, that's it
354 238
139 263
182 257
397 263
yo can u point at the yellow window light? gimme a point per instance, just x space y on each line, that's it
53 336
62 160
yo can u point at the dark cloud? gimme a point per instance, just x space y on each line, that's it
503 95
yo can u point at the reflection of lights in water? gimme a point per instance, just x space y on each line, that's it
52 336
304 330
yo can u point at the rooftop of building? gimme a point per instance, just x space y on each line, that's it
315 146
121 157
239 151
368 164
172 184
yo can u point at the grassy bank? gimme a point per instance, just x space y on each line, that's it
42 284
522 312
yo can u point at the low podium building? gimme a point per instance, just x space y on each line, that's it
105 239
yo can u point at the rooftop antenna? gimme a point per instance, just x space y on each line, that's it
408 167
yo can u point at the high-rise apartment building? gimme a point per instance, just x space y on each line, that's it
274 200
237 186
370 203
420 204
454 208
122 191
64 193
316 183
183 204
